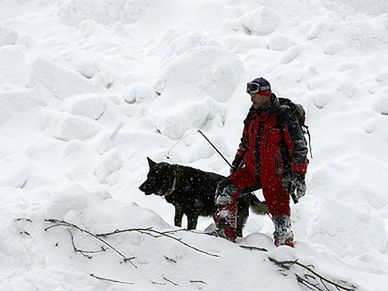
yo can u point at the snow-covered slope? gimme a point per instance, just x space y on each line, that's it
89 89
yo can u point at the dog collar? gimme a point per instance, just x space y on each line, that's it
169 192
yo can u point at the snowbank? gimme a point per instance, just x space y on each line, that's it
89 89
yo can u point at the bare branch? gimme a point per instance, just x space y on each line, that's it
323 279
23 219
67 224
157 283
156 234
254 248
110 280
118 231
173 283
285 264
76 250
307 280
198 281
83 252
169 259
306 283
288 264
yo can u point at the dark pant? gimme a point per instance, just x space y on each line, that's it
276 197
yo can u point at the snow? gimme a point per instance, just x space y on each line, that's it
89 89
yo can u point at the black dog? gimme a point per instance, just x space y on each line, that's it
192 192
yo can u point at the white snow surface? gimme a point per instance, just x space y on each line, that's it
89 89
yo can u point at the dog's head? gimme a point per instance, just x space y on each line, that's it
160 179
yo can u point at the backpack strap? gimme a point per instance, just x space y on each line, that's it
286 105
280 112
305 129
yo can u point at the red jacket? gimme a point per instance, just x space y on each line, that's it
272 143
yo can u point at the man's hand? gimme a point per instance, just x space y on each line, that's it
236 164
295 185
222 185
300 185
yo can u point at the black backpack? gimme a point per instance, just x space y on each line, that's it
300 113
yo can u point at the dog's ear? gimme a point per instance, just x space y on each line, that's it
151 163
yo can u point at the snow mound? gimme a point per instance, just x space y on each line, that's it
188 41
334 47
351 35
13 66
13 102
138 92
61 81
291 54
15 169
70 199
92 106
258 239
192 115
283 253
371 233
109 163
280 43
94 210
201 72
381 103
263 21
105 12
70 127
8 36
370 7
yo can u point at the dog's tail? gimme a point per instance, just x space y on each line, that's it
257 206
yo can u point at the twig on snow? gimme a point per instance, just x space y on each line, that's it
198 281
169 281
307 277
23 219
158 283
24 232
284 264
65 223
170 260
308 284
83 252
324 281
253 248
156 234
110 280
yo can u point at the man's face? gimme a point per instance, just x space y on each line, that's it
260 101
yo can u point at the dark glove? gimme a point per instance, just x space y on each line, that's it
295 185
236 164
222 184
300 185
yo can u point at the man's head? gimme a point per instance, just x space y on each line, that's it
260 91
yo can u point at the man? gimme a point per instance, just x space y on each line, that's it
272 155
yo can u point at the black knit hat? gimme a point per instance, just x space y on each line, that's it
259 85
263 83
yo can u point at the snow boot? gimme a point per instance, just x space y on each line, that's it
283 234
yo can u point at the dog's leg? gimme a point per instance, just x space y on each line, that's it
178 215
192 220
242 216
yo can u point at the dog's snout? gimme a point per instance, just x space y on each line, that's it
145 188
142 187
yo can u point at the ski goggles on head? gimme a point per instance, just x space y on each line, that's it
255 88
